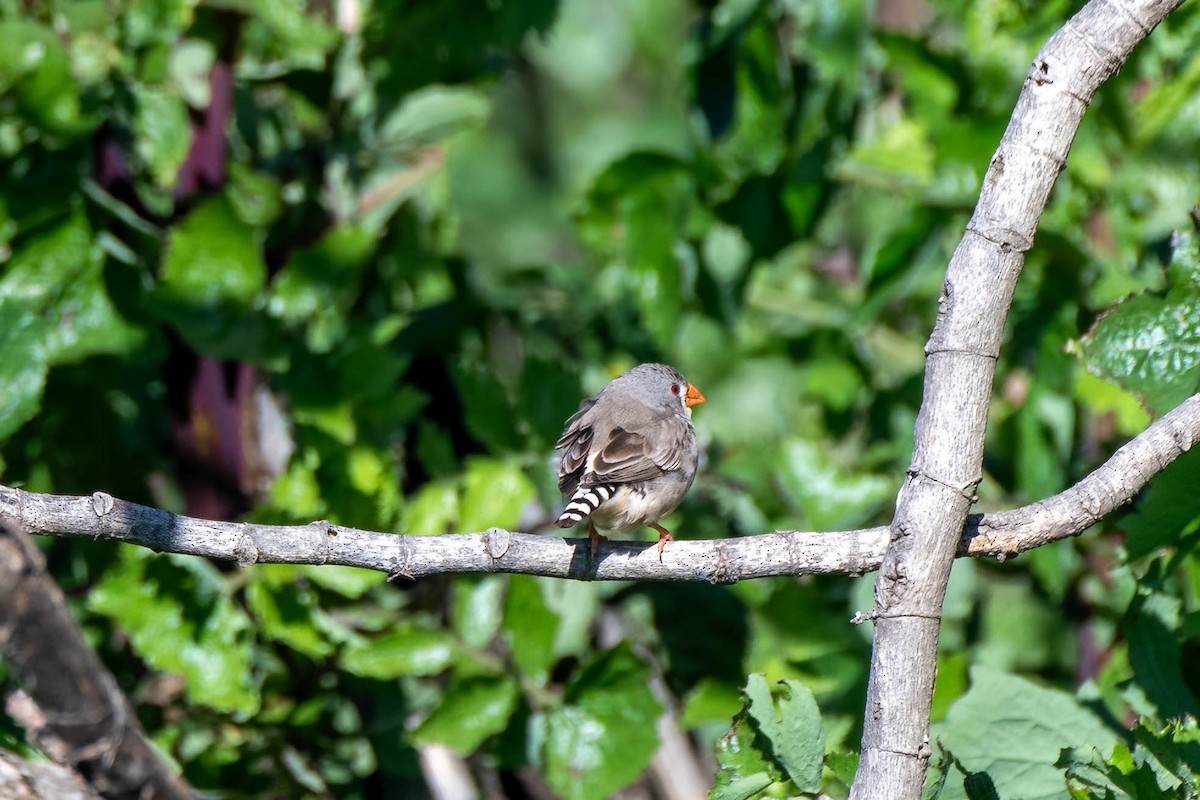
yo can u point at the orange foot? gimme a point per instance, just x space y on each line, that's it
664 536
594 537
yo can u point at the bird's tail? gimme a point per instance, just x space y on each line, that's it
585 500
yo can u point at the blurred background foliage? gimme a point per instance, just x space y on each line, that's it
358 260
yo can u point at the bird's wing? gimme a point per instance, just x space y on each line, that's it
575 442
630 456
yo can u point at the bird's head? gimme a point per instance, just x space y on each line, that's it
662 386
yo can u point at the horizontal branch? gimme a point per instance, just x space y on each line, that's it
995 535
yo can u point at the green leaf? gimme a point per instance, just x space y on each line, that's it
191 62
791 722
746 785
181 619
287 610
744 771
351 582
432 510
319 284
433 114
494 492
935 779
651 200
1164 765
159 21
1104 397
38 66
22 40
478 607
1163 104
756 141
58 276
1013 729
726 252
753 402
408 650
830 496
902 154
530 626
54 309
951 681
1152 628
162 132
1168 509
301 39
576 605
1092 776
1045 424
710 701
198 271
23 369
468 712
844 765
775 744
1017 628
980 786
834 382
257 197
603 735
208 291
488 411
1172 751
1151 344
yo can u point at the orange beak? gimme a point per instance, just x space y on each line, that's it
693 397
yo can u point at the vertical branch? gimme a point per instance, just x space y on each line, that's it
71 705
961 355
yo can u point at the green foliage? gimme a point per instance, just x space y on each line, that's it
260 261
775 745
469 712
1163 763
206 293
603 735
1011 731
53 310
181 619
406 650
1148 344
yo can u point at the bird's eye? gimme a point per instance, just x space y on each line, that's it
675 388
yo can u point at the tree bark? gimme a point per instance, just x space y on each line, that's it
996 535
932 506
71 706
29 780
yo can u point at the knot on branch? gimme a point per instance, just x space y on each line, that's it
725 570
1039 72
1006 239
102 503
246 550
496 542
400 564
860 617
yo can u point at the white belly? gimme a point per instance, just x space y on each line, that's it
633 507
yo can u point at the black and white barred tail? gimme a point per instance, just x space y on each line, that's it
585 500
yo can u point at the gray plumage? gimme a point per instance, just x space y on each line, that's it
629 454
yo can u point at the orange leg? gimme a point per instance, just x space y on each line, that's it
664 536
594 537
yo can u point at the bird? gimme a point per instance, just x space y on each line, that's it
629 453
